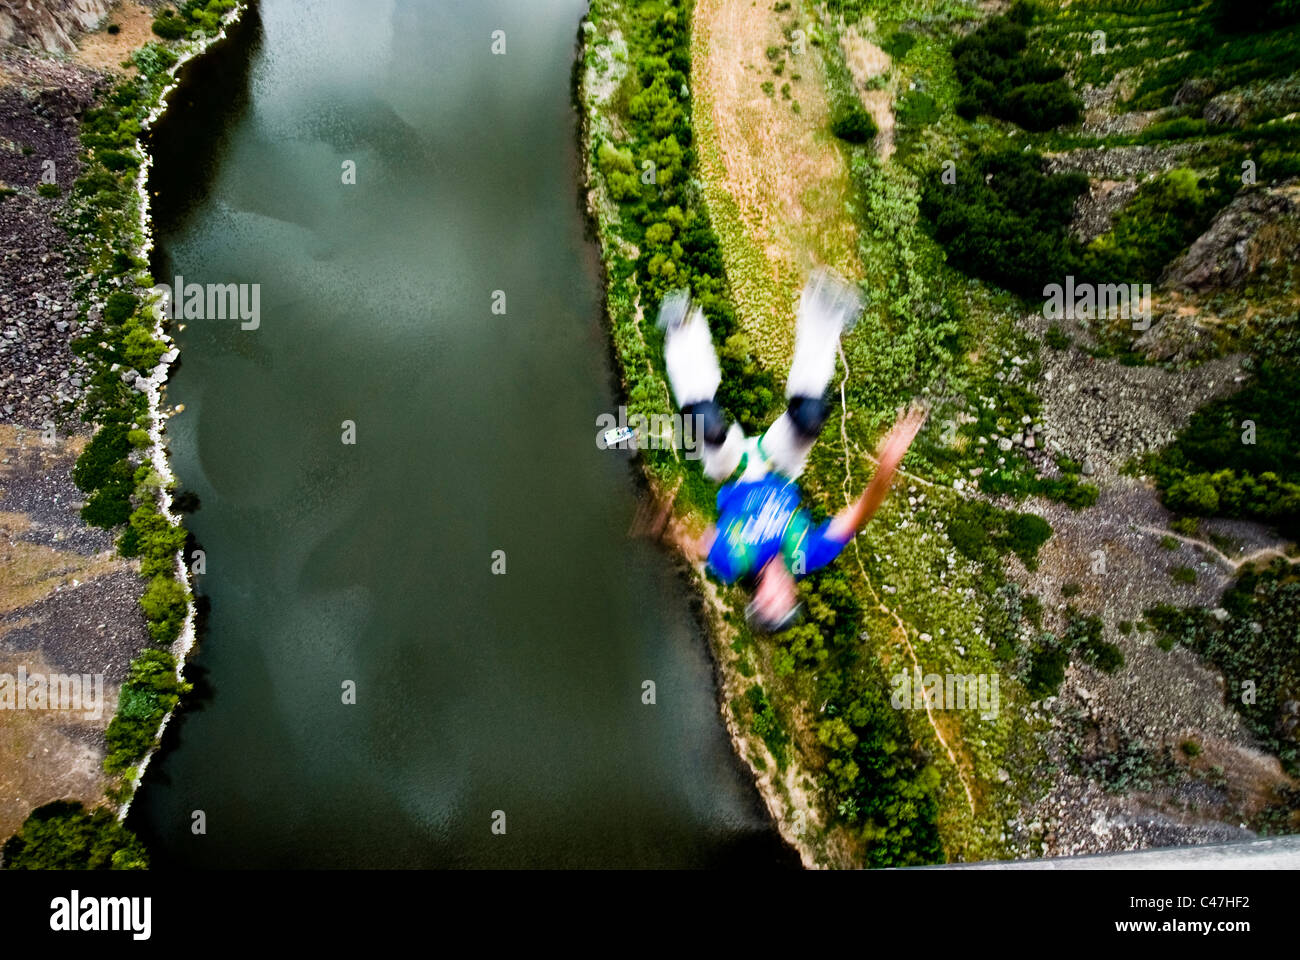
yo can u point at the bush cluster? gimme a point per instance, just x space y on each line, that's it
151 690
984 533
65 836
1211 470
1005 220
1001 77
123 488
648 175
201 15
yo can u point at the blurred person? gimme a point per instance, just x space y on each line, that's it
763 535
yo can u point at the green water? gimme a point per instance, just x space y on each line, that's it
372 563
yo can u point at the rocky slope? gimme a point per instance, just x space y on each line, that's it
49 25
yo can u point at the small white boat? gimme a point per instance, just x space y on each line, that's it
618 435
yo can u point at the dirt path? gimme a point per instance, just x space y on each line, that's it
866 63
1223 558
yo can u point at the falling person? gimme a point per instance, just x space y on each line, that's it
763 535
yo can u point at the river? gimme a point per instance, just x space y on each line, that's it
481 698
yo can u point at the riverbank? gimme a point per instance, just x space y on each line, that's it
155 386
92 215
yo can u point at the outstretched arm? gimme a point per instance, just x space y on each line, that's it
853 517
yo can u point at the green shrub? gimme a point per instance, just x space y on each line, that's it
1056 339
1046 671
103 471
170 27
1006 221
1026 532
767 725
1032 609
1209 471
984 533
157 541
852 124
165 604
119 306
63 836
100 459
150 691
999 76
898 43
917 108
109 506
140 349
49 190
118 160
153 60
1069 491
1085 635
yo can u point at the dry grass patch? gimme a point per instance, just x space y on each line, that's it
775 181
865 62
48 755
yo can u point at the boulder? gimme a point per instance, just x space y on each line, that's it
1226 110
1257 227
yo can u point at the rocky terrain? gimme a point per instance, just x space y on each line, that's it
52 26
68 602
1254 228
1115 774
40 378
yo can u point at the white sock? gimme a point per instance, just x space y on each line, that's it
720 462
688 354
828 306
